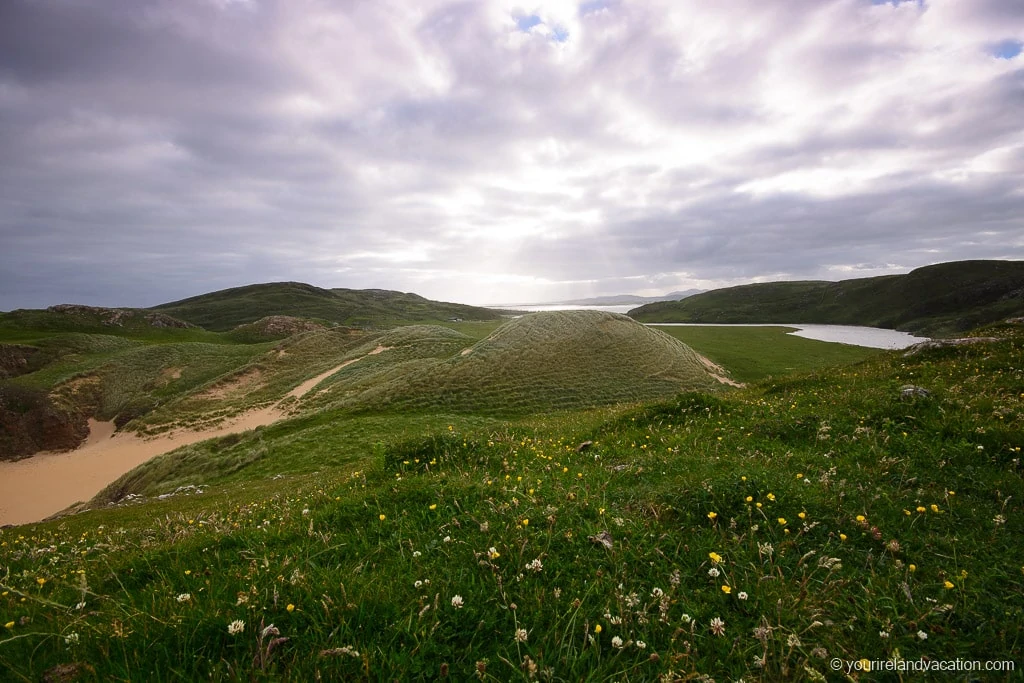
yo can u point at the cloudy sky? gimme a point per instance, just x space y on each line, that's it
500 152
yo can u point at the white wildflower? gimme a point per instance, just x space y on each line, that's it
457 602
616 642
184 597
236 627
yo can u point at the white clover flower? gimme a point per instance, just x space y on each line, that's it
922 635
883 634
641 645
521 635
713 572
616 642
535 565
416 553
718 626
457 602
657 593
447 539
236 627
184 597
418 584
743 595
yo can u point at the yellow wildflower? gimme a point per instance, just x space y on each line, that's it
433 506
726 589
712 515
948 584
782 521
382 517
597 628
9 624
290 607
715 557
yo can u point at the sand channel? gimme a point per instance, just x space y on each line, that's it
35 488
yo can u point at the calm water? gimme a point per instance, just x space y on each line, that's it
872 337
536 309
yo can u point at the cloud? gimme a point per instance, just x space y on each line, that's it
499 151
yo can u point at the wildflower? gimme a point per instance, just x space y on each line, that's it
860 518
526 522
922 635
236 627
726 589
657 593
742 595
782 521
948 584
447 539
184 597
9 624
521 635
802 515
641 645
686 618
935 508
771 497
758 503
921 508
457 601
749 499
713 572
883 634
715 557
800 476
712 515
793 640
417 584
912 568
40 581
433 506
416 553
718 626
842 537
536 565
597 628
492 553
616 642
290 607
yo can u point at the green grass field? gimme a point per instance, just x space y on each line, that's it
755 534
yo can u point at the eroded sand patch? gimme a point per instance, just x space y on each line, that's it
239 384
718 372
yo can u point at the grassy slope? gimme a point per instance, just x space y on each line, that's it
229 308
936 300
851 521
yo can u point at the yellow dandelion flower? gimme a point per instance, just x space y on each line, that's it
912 568
771 497
726 590
715 557
800 475
935 508
921 508
743 478
433 506
782 521
290 607
597 628
712 515
860 518
526 522
906 512
382 517
40 581
749 499
802 515
758 504
842 537
948 585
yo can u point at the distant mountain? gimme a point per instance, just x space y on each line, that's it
226 309
937 300
625 299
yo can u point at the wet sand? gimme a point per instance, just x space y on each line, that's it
35 488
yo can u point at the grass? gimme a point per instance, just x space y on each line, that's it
754 353
938 300
756 534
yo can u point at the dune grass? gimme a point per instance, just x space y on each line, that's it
758 534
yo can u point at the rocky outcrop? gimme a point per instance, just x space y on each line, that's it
118 317
31 422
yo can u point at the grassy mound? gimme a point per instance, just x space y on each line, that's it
546 361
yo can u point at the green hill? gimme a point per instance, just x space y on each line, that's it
540 362
229 308
935 300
